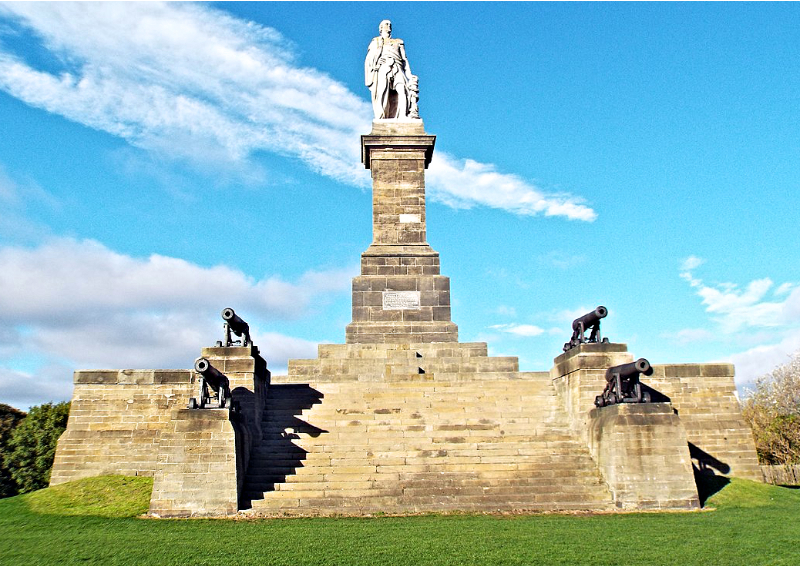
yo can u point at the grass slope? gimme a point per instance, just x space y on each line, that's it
93 522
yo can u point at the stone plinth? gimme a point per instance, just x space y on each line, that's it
643 454
400 296
579 376
197 466
249 379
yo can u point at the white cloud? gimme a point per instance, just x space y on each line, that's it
735 308
65 279
80 305
760 360
463 183
690 336
745 316
519 329
562 260
692 262
23 390
191 82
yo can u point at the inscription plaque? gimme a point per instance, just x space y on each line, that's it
410 219
400 300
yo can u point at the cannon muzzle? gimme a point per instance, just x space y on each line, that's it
590 318
204 368
235 324
234 321
629 370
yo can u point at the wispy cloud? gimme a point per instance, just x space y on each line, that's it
192 82
562 260
736 307
741 313
463 183
15 197
519 329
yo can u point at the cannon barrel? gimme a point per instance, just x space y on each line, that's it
626 371
204 368
234 321
590 318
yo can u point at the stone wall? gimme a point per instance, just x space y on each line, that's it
579 376
704 395
115 421
135 422
198 474
782 475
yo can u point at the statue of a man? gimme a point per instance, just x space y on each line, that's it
388 76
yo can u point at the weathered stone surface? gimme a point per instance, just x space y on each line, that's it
579 376
705 397
196 473
643 454
121 423
417 427
115 421
400 296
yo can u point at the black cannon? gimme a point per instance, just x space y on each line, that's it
589 321
623 385
237 326
210 378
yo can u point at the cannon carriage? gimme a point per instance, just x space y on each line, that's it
210 380
623 385
588 322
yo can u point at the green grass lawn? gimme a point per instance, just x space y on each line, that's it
94 522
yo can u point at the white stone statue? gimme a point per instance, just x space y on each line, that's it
388 75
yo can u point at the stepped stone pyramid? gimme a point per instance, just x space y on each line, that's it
403 417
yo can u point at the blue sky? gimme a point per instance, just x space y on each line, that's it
159 162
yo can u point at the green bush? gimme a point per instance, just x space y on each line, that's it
9 419
32 446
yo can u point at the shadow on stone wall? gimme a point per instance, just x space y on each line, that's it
277 456
706 473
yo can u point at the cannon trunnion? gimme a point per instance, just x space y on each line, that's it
623 385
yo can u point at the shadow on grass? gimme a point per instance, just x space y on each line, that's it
708 483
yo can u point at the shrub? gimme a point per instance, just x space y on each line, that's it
32 446
772 410
9 419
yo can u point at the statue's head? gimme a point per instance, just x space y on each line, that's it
385 28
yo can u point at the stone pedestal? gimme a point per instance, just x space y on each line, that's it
400 296
196 472
249 379
643 454
579 376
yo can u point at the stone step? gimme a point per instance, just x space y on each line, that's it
436 503
362 429
349 351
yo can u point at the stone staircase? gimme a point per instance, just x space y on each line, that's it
415 428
